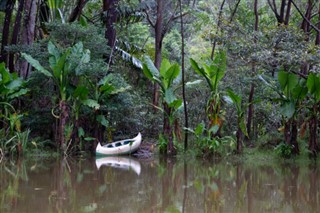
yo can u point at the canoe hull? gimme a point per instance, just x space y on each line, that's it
123 147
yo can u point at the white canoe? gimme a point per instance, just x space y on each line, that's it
122 147
124 163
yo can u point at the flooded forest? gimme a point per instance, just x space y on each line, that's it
159 105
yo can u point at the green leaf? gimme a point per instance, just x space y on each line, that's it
83 21
176 104
202 72
299 92
169 97
14 84
199 129
191 83
107 89
152 70
214 129
36 64
102 120
287 81
18 94
165 65
5 74
171 74
59 68
54 52
147 72
313 84
81 92
81 132
120 90
288 109
91 103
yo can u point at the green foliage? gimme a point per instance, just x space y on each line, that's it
165 77
209 146
284 150
213 73
11 87
236 100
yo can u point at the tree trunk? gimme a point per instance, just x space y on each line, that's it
168 130
6 31
239 136
30 11
313 132
251 95
159 34
64 116
294 137
287 132
76 12
218 28
15 33
183 81
110 9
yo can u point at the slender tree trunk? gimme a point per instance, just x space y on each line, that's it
15 33
313 131
168 130
239 136
294 137
159 34
287 131
64 116
218 28
28 34
286 21
6 30
251 95
76 12
183 81
110 9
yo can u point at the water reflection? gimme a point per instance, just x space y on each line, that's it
164 185
119 162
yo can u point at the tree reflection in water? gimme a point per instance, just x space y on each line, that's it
162 185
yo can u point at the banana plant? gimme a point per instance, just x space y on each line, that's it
102 90
292 92
236 100
213 73
165 78
11 87
64 66
313 85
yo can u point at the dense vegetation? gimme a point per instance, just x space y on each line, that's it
230 74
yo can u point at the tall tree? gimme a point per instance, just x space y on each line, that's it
253 68
283 14
161 20
28 32
110 17
15 33
183 78
6 30
77 11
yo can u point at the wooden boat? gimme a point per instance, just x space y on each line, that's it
122 147
123 163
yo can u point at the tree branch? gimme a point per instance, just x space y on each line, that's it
149 19
305 18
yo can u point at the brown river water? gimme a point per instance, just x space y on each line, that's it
123 184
